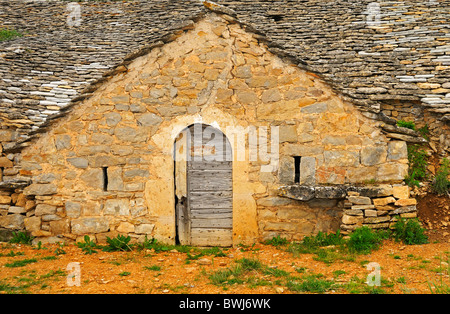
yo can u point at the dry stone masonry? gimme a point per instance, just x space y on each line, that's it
89 114
380 212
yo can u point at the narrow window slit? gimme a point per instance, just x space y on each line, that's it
105 178
276 17
297 160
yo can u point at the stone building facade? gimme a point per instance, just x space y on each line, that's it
104 164
215 74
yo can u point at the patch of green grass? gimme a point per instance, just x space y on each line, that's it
27 279
401 280
441 184
88 245
215 251
228 276
358 285
441 287
12 254
418 162
153 268
277 241
119 243
312 244
406 124
21 263
339 272
275 272
8 34
330 255
49 258
59 250
158 247
249 264
124 273
328 248
300 270
21 238
425 132
363 240
409 231
247 248
249 271
54 273
310 283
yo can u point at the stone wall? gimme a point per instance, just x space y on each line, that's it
379 212
293 219
439 130
216 74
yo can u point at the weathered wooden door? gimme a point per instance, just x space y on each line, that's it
207 211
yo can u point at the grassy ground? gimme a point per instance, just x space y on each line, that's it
320 264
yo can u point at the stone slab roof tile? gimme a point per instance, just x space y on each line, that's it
369 51
382 43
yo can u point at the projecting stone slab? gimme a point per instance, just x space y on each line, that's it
306 193
330 192
297 192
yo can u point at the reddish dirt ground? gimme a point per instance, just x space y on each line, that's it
403 269
434 213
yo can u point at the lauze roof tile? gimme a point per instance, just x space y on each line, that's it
369 51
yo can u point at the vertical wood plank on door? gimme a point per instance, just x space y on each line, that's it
209 184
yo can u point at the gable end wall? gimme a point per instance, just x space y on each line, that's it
216 74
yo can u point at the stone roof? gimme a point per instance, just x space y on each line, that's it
371 52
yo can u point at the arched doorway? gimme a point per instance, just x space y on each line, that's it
203 187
